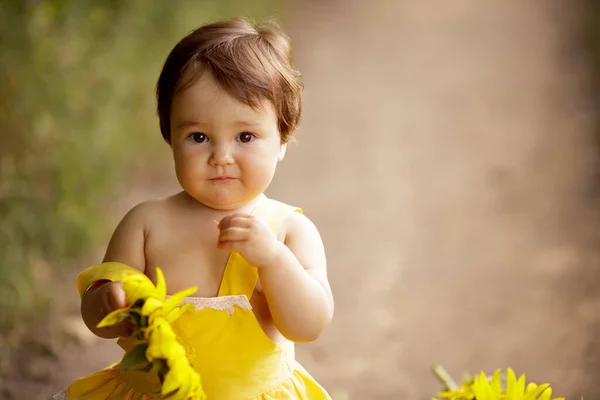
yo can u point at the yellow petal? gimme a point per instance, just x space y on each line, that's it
177 312
193 389
178 297
151 305
495 384
162 341
173 380
482 389
511 382
112 318
532 392
178 378
520 387
196 392
530 387
546 395
175 352
160 327
159 331
161 286
165 350
138 287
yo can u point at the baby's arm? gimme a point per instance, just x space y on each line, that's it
295 283
126 246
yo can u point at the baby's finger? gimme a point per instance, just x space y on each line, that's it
235 246
233 234
116 296
234 220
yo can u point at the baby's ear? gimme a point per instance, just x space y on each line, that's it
282 151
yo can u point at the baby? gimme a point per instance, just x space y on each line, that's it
229 100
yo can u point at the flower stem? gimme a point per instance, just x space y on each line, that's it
444 377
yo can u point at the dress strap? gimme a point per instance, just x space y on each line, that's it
240 276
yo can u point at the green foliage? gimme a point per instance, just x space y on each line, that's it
77 113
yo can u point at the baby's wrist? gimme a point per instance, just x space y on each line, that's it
275 254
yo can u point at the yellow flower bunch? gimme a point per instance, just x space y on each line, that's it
483 387
157 348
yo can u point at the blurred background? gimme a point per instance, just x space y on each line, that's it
449 154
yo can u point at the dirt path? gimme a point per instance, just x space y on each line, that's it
445 156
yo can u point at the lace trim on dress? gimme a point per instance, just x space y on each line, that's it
221 303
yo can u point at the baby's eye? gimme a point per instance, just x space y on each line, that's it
246 137
199 137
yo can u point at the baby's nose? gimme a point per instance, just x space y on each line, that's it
221 155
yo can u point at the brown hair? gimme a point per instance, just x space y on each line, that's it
251 62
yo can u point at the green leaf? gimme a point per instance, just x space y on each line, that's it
157 365
134 358
136 318
139 334
122 316
154 366
147 368
139 303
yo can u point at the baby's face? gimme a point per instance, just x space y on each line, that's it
225 152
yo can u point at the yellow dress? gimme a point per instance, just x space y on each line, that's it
224 341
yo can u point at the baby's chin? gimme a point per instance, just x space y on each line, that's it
221 203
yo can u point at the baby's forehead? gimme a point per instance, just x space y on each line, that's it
201 88
204 84
205 101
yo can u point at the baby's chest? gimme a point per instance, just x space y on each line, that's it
186 260
194 260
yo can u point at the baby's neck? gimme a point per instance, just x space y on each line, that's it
247 207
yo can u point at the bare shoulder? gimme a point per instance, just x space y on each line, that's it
298 224
141 215
304 240
127 244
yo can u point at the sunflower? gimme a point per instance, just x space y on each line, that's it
483 387
157 349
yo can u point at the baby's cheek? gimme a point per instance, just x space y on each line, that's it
188 164
189 174
263 168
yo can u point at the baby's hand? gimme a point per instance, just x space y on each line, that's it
250 236
109 297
